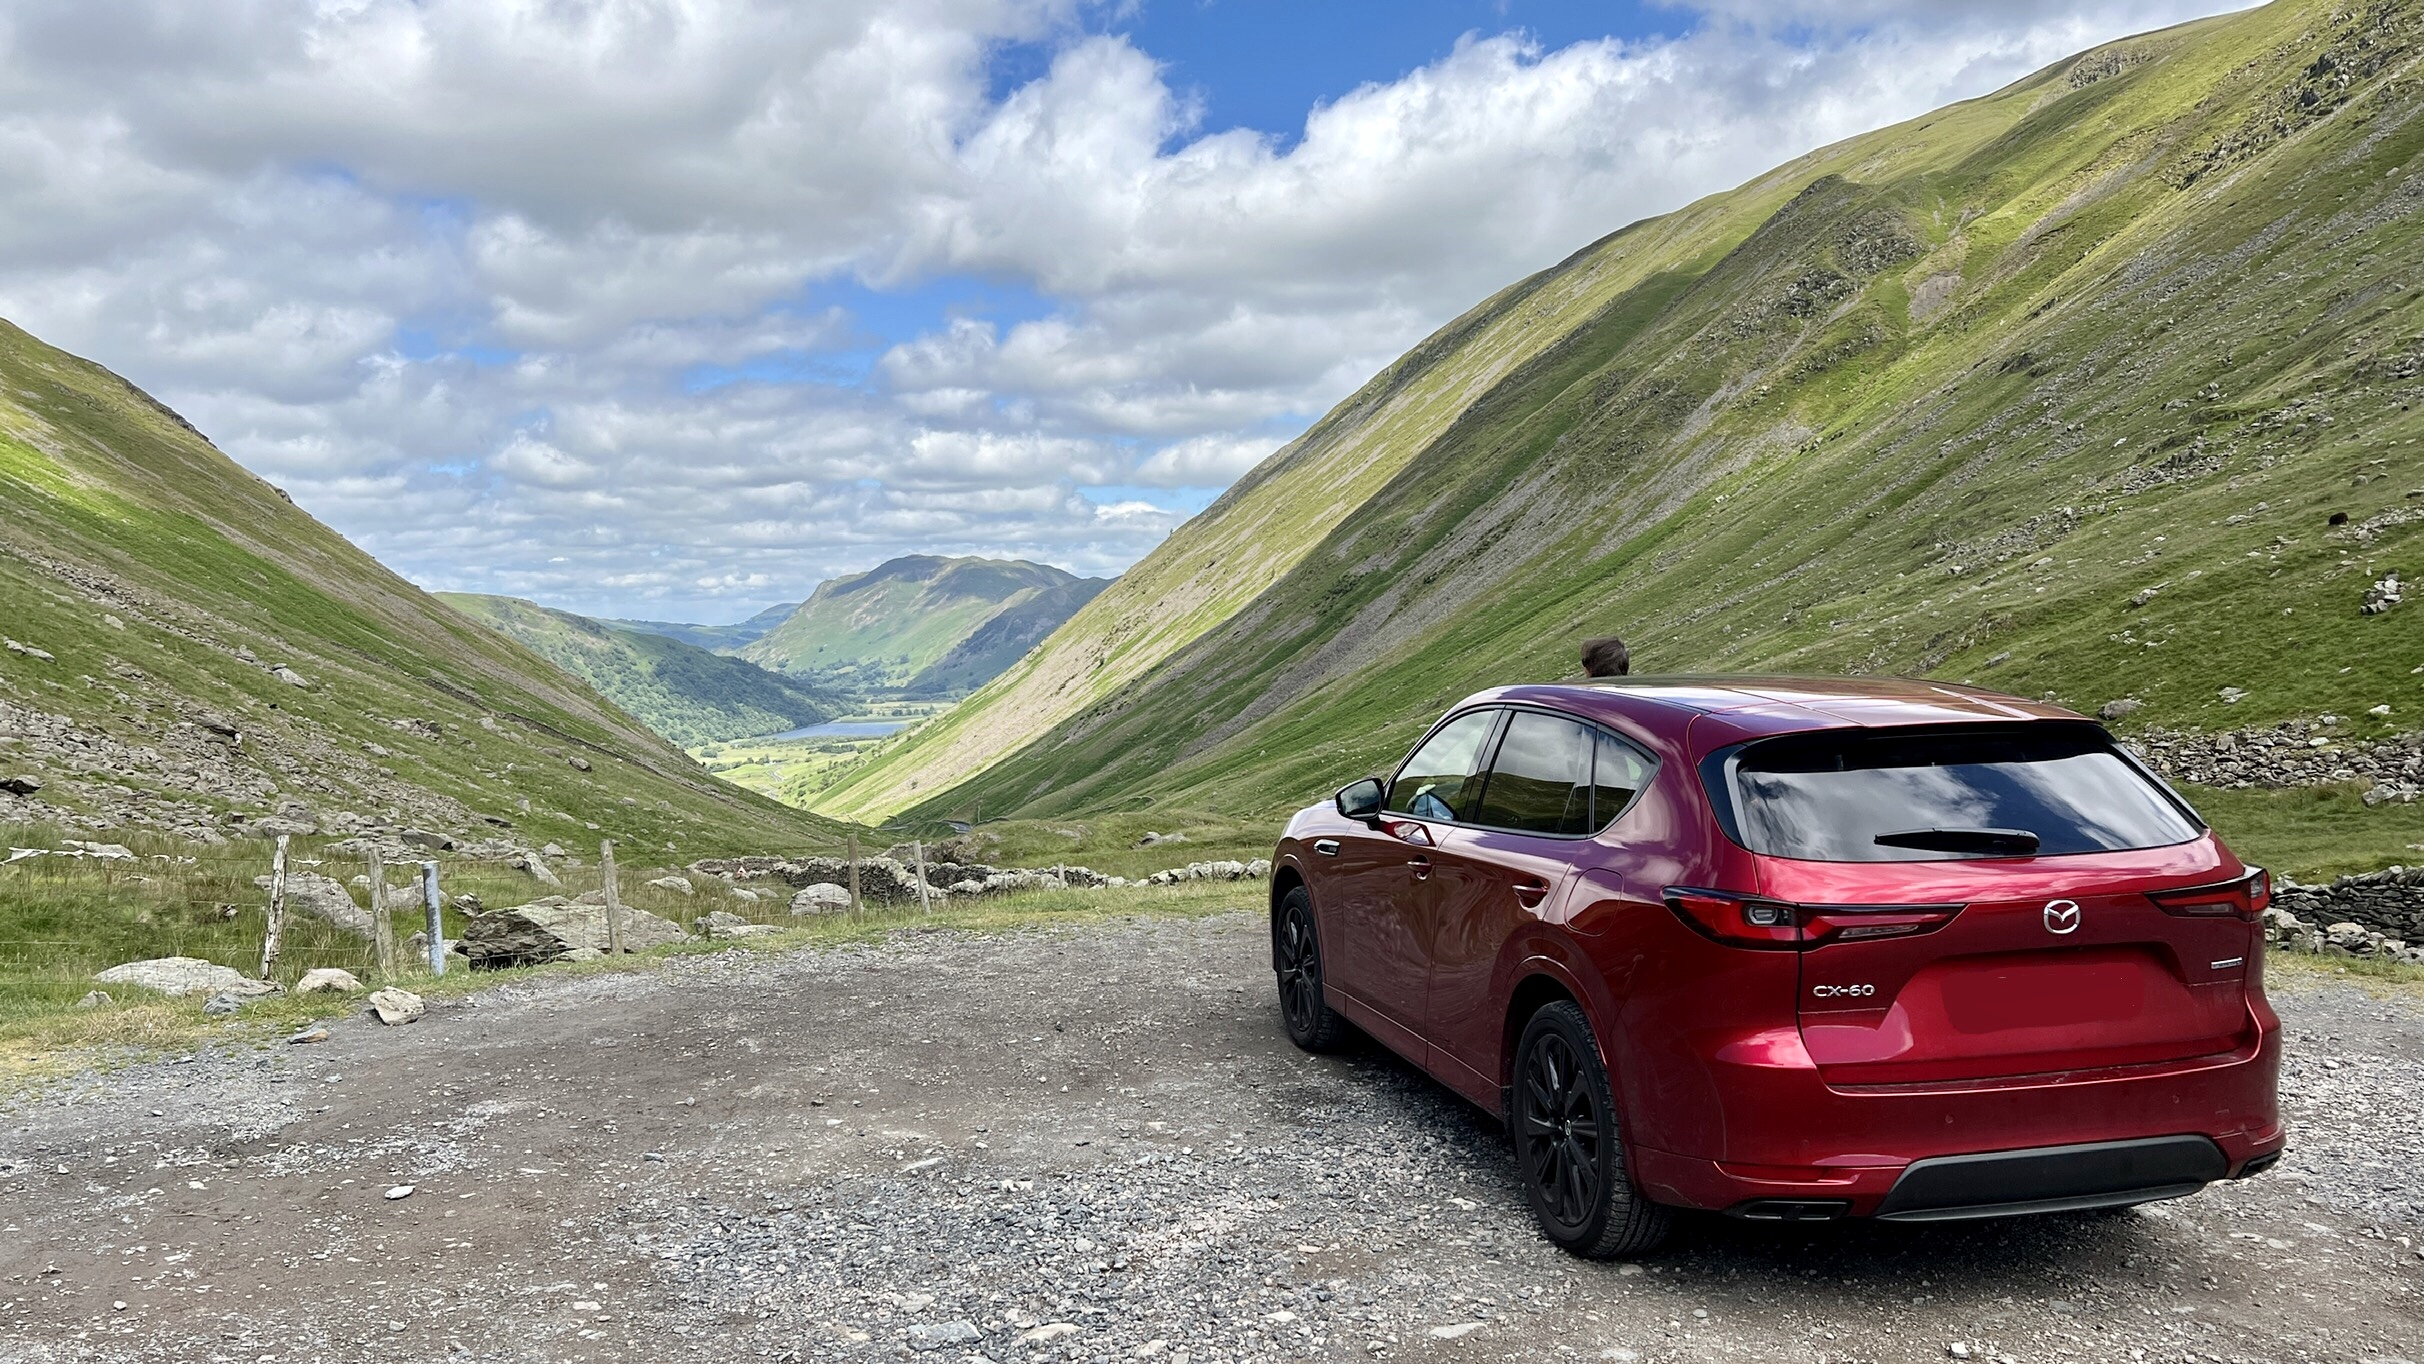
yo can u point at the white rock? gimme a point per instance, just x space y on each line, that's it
94 999
822 898
1050 1330
1458 1331
400 1191
184 976
335 978
678 885
394 1006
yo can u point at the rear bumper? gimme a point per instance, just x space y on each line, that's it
1797 1149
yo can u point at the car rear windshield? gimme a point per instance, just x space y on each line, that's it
1931 795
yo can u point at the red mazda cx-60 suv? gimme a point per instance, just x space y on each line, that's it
1793 948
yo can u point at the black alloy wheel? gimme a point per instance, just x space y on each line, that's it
1296 955
1566 1147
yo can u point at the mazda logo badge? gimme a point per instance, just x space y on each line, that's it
2062 916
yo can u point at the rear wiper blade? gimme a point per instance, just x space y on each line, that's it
1962 840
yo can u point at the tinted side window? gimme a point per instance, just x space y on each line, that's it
1443 776
1541 780
1618 772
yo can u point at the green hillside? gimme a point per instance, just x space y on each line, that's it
722 639
185 647
882 630
991 648
2064 390
681 691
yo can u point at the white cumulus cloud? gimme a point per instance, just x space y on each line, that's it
602 301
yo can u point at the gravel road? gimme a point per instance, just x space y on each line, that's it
1088 1142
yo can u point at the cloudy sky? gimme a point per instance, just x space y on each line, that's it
675 307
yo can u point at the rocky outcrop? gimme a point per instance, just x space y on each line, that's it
2292 753
556 929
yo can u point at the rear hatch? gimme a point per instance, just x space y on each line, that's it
1981 902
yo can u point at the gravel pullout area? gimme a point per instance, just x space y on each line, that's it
1077 1143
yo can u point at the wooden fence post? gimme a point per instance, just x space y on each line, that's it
917 849
382 924
437 924
614 900
277 909
855 906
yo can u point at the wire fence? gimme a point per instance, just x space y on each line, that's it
72 908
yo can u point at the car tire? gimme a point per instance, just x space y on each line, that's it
1569 1153
1296 957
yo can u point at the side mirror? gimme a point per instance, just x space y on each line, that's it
1362 799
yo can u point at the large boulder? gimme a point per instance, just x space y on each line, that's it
325 897
332 978
556 929
821 898
184 976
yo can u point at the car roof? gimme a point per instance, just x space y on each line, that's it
1779 704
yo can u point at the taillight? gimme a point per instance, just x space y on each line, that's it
2243 897
1745 921
1736 921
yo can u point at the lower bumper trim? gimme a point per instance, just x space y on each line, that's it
2104 1174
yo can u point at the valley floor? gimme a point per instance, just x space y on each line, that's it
1081 1142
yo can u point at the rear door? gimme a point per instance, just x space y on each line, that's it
2046 870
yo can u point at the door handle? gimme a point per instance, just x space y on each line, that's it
1421 866
1327 847
1529 894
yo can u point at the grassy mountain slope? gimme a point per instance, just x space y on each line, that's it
167 586
2055 390
991 648
679 690
880 630
723 639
